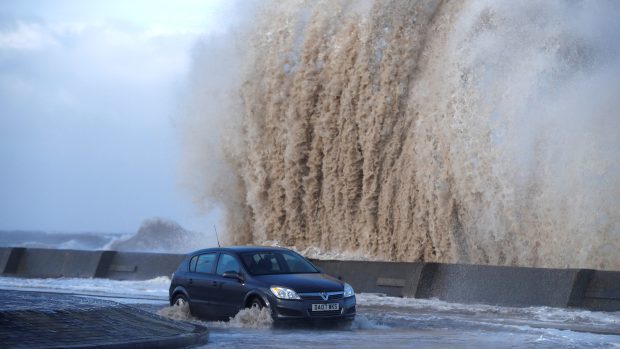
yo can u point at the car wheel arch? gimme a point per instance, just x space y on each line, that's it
255 294
177 291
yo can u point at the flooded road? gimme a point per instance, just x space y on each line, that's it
389 322
385 322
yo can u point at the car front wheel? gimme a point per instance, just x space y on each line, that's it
180 300
256 303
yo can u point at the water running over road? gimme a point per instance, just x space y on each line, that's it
381 321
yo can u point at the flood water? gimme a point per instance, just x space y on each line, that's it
385 322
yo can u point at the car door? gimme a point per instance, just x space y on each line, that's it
231 292
202 284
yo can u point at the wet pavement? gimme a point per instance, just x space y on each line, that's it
45 320
382 322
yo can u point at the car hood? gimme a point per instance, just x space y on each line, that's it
302 283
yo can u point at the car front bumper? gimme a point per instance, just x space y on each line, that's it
284 309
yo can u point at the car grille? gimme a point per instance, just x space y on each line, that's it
325 313
331 296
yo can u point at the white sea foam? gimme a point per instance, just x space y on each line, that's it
362 322
154 235
154 289
542 314
57 240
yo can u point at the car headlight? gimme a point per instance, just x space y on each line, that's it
348 291
284 293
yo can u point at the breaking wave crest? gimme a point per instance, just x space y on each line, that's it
474 132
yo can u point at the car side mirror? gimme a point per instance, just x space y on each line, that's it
233 275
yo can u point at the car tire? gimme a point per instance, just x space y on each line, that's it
180 300
256 303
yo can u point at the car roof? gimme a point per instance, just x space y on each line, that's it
240 249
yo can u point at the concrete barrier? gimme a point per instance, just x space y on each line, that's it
141 265
51 263
603 291
8 258
47 263
505 286
392 279
5 252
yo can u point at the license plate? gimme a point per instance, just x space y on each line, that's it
325 307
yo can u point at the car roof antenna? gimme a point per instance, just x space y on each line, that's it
217 237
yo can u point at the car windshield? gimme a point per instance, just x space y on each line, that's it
276 262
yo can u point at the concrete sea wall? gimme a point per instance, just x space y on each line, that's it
505 286
49 263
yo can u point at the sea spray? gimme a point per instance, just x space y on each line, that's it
177 312
246 318
250 318
475 132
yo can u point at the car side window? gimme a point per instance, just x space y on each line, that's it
192 263
204 263
227 263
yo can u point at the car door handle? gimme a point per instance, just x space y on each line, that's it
191 281
214 283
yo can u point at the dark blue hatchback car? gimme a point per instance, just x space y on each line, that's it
218 282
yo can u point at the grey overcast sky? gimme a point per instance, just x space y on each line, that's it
89 94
